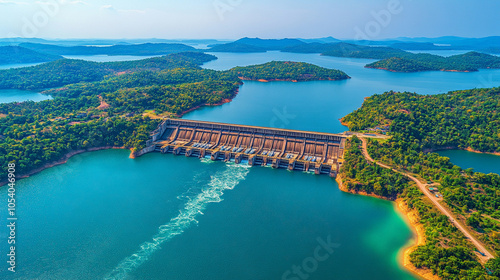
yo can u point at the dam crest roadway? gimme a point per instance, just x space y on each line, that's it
316 152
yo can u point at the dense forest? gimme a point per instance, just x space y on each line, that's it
113 104
15 54
471 61
288 71
420 124
236 48
132 49
461 119
255 45
346 50
357 51
361 176
67 71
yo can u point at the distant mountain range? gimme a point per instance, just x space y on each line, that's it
38 50
321 45
138 49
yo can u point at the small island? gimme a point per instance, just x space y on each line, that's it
468 62
288 71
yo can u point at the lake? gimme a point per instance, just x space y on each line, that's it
105 216
15 95
485 163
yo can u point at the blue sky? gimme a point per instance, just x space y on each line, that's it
231 19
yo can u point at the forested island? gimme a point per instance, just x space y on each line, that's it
248 45
237 48
16 54
130 49
288 71
115 104
468 62
419 125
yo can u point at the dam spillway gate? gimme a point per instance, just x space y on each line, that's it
280 148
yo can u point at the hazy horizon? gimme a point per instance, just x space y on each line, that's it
233 19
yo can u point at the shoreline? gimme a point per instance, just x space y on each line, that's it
440 70
65 159
289 80
411 219
132 155
469 149
224 101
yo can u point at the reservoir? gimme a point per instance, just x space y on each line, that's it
484 163
105 216
16 95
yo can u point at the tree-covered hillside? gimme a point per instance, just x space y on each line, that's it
288 71
132 49
15 54
471 61
420 124
67 71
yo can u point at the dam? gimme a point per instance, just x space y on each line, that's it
316 152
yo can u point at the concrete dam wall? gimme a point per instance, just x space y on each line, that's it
280 148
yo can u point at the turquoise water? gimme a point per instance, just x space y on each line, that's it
484 163
15 95
16 65
196 220
104 216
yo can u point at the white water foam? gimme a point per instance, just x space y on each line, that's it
220 182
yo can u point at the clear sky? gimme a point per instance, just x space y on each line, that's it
231 19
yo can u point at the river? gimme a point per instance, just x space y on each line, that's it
103 215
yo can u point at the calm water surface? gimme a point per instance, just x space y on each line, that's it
484 163
15 95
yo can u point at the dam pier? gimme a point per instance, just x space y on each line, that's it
316 152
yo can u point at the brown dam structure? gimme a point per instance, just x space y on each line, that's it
316 152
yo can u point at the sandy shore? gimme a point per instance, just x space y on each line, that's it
64 160
412 219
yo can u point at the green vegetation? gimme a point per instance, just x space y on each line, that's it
471 61
359 175
356 51
446 252
67 71
133 49
461 119
418 124
288 71
14 54
397 60
269 44
236 48
345 50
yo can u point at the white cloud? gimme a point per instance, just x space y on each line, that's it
8 2
75 2
113 9
62 2
107 7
